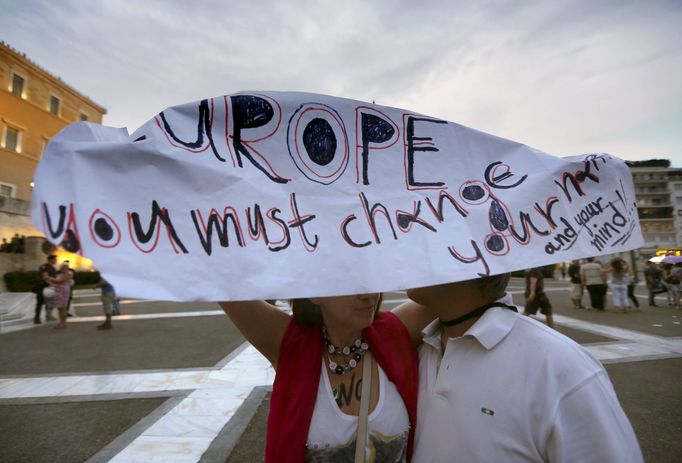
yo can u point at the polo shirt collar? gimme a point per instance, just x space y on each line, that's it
488 330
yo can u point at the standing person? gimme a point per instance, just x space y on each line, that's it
62 286
670 282
496 386
321 355
536 297
652 275
562 269
576 284
676 276
45 271
108 302
594 280
631 281
619 284
71 311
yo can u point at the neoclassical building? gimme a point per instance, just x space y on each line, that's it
34 106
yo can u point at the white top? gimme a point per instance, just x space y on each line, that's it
592 271
512 389
332 433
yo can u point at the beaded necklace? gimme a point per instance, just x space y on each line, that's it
355 351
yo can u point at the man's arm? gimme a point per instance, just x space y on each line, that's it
415 317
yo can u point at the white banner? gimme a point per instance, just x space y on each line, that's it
275 195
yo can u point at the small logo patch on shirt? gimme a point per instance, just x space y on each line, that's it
487 411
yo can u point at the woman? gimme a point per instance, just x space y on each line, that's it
631 285
319 355
619 284
62 287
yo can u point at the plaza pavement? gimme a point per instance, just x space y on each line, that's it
174 382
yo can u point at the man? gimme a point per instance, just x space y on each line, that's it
536 297
652 275
498 386
108 302
594 279
46 270
576 284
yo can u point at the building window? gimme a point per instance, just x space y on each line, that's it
55 103
84 117
17 83
12 139
7 190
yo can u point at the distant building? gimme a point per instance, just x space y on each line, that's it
658 191
34 106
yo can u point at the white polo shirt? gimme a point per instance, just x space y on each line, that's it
512 389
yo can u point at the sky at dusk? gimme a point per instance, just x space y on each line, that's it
565 77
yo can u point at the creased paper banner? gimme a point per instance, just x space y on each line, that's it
281 194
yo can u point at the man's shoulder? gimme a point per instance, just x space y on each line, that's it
553 347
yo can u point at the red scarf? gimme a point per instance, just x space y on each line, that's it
298 375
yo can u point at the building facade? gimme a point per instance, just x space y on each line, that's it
658 190
34 106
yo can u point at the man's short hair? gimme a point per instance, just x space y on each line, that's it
493 287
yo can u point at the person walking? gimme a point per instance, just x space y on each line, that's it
593 278
576 284
536 297
652 276
45 271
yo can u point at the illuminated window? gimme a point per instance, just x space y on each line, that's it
55 103
12 139
7 190
17 85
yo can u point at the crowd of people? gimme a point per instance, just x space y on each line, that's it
54 291
595 278
15 245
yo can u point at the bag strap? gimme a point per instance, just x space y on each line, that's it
361 440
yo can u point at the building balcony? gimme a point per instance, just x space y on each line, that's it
646 213
646 205
648 192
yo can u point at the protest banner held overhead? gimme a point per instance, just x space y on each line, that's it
282 194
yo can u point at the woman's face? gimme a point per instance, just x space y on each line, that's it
352 312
